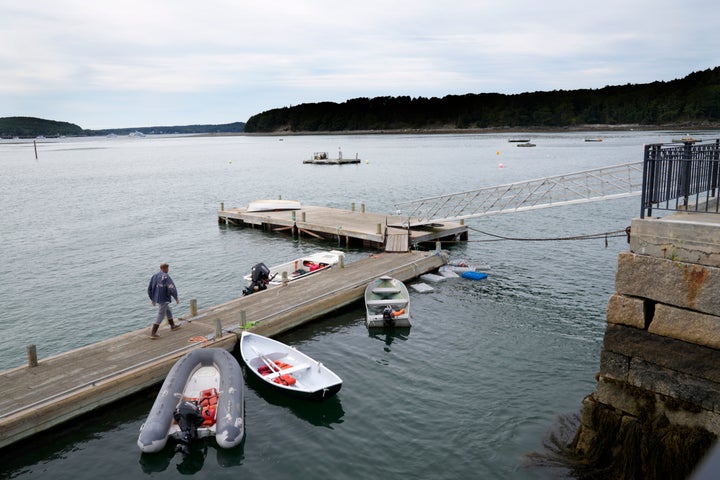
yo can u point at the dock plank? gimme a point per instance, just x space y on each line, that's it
68 385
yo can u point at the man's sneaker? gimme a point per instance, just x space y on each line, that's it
174 327
154 336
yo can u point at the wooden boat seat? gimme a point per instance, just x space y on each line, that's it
387 301
385 290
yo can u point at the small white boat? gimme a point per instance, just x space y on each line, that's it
286 368
273 205
261 277
387 303
201 396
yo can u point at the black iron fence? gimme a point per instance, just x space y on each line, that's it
681 177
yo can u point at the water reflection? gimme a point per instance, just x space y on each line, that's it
193 463
389 335
321 413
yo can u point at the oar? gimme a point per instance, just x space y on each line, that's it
267 362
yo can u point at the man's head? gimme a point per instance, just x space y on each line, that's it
164 267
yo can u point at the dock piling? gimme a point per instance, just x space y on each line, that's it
218 329
32 356
193 307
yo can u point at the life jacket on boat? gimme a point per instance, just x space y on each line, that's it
265 370
287 380
208 406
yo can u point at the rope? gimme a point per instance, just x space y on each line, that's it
593 236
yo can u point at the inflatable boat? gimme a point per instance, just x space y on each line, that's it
201 396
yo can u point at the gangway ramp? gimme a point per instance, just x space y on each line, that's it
616 181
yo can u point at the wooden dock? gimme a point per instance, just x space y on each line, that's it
354 227
65 386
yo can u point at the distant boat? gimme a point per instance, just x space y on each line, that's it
136 134
687 139
519 140
598 139
527 144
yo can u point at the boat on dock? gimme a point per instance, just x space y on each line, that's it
285 368
387 303
272 205
262 277
201 396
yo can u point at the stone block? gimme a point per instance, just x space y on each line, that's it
687 325
675 355
685 237
683 387
616 396
684 285
624 310
710 421
614 365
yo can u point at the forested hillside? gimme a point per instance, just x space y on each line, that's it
694 99
31 127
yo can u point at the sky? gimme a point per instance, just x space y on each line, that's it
139 63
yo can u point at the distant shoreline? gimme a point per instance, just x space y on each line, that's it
680 128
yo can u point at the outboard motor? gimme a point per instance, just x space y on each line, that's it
188 417
260 277
388 317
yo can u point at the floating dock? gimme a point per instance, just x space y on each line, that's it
55 390
375 230
322 158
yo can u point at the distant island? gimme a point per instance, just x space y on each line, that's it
31 127
692 102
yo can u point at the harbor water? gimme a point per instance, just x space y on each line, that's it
489 371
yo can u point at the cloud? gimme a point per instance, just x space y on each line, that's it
298 51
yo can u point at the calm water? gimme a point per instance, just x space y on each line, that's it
486 372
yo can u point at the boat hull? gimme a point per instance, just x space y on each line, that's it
198 370
387 303
265 359
273 205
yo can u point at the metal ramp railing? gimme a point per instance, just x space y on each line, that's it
581 187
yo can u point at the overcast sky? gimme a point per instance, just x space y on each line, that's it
135 63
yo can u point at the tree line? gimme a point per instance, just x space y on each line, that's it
694 99
31 127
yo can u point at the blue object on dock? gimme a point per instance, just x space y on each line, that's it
474 275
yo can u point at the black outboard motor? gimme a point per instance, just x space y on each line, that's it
388 316
188 417
259 279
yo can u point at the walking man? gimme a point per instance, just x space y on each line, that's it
161 291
